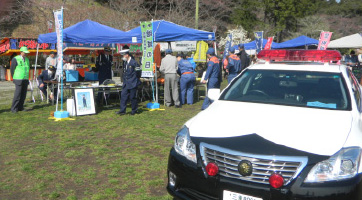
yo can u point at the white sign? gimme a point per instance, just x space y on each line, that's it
184 46
134 39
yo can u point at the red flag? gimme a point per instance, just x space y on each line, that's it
269 43
324 40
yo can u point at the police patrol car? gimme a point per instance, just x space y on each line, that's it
287 128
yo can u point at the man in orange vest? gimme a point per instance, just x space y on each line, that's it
234 65
212 75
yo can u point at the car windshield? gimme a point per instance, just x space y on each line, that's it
296 88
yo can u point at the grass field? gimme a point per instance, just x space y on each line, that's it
103 156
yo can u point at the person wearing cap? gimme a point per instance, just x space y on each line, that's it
187 80
46 75
244 59
131 80
51 60
104 69
169 67
212 75
234 65
20 72
352 59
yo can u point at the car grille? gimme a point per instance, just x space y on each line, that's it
263 166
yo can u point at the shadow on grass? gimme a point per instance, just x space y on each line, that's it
27 109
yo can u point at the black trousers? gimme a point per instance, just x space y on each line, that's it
21 87
45 92
131 95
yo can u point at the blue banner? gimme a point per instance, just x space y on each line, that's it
227 46
258 40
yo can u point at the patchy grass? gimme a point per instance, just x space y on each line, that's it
103 156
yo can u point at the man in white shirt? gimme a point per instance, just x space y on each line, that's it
51 60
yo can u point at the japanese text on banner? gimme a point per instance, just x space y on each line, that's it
269 43
227 46
147 49
258 40
58 16
324 40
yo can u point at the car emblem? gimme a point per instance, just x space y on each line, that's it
245 168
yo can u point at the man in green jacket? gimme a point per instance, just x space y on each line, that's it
20 73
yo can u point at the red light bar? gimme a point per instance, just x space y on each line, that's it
300 55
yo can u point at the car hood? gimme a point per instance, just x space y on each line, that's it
313 130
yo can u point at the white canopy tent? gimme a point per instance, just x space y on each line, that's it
352 42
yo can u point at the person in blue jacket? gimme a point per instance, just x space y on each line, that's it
212 75
187 81
131 80
234 65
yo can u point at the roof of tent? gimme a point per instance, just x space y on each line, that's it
85 32
297 42
165 31
351 41
252 45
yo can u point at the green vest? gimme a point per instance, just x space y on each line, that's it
22 69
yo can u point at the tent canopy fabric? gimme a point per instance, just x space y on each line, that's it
252 45
165 31
85 32
351 41
297 42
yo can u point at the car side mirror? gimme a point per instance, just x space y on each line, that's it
213 94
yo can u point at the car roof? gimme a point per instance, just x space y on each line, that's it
299 66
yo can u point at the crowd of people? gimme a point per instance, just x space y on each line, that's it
178 71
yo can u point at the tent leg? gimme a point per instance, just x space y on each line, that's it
34 77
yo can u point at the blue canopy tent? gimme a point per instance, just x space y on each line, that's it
85 32
165 31
297 42
251 46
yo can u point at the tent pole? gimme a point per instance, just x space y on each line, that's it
155 79
197 15
36 63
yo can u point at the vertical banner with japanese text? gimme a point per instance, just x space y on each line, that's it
258 40
269 43
227 46
324 40
58 16
147 49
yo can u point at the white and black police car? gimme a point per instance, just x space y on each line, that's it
288 128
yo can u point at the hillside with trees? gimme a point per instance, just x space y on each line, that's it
284 19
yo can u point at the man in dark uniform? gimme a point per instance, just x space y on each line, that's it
20 72
104 68
131 80
46 75
212 75
244 59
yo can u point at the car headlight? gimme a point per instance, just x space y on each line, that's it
184 146
342 165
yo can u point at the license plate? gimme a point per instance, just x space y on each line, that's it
237 196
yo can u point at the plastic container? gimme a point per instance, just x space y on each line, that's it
71 75
91 76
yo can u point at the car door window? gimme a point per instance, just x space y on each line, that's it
356 90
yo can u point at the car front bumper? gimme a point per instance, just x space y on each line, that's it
193 183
